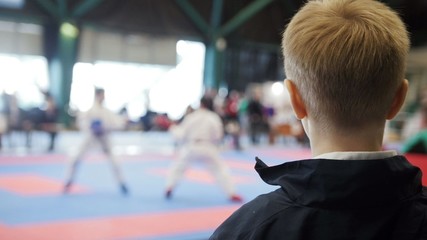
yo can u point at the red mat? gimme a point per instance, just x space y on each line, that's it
419 160
33 185
121 227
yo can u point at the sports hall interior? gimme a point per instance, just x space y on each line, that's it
155 59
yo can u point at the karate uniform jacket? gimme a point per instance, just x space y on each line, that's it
334 200
109 120
200 126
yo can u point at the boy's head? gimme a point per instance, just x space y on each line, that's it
346 58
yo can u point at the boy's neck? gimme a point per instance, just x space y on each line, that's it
366 140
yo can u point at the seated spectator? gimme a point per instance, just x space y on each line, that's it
49 121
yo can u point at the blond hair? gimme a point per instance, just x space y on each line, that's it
347 59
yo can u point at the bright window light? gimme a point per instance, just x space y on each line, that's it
12 3
24 76
139 87
277 88
183 85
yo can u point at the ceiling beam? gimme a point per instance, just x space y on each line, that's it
49 7
244 15
84 7
195 16
216 13
62 9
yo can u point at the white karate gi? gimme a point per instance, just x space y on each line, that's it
110 121
199 136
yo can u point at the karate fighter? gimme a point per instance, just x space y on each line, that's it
96 125
199 136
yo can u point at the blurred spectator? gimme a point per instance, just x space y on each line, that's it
231 118
258 123
49 121
3 119
415 130
162 122
147 121
283 123
18 121
242 109
155 121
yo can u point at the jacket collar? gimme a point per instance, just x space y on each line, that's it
340 184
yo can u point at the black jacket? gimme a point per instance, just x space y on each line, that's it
334 199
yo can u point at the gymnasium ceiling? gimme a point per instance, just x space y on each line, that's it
258 22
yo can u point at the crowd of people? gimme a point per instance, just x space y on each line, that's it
17 123
242 114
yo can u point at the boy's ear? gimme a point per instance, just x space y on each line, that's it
296 100
399 99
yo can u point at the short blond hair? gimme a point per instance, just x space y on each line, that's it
347 59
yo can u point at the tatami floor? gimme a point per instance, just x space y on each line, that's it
32 205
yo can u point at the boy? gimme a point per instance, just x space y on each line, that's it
345 64
96 124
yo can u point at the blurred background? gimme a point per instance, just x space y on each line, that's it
157 56
155 59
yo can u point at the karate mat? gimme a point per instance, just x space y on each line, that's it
32 205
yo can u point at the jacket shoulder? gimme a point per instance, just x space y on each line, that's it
253 218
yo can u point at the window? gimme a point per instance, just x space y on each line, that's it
139 87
